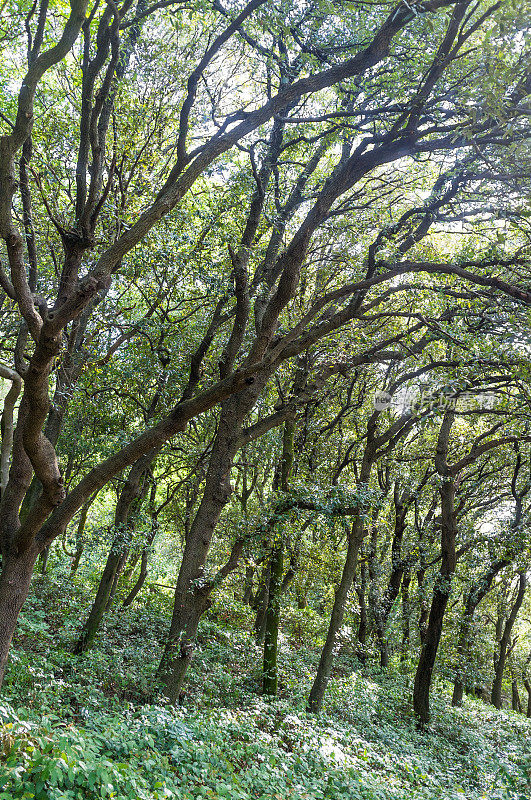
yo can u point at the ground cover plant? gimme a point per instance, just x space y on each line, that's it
265 460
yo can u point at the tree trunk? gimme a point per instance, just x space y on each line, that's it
142 575
261 604
501 658
43 559
144 559
191 593
401 504
406 633
457 694
361 589
7 423
80 530
93 622
383 646
77 558
442 589
315 700
270 676
424 605
132 490
52 431
527 685
473 599
247 597
516 703
119 569
423 676
134 557
465 629
355 541
15 579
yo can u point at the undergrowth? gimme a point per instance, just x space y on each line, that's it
93 726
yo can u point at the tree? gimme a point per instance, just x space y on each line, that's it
516 542
504 641
308 153
451 475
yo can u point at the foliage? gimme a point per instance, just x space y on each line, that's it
228 742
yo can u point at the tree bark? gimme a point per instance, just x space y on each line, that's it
423 676
131 491
192 593
15 579
406 633
361 590
424 605
74 566
442 589
395 579
43 559
473 599
516 703
93 622
317 693
270 675
261 604
527 685
6 422
144 558
80 530
277 585
120 567
247 597
142 575
501 657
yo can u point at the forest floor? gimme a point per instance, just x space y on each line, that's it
81 727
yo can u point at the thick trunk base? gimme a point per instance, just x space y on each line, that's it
15 579
457 696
